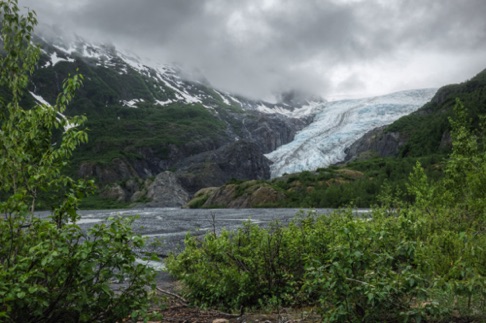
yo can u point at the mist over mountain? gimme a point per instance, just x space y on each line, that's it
260 48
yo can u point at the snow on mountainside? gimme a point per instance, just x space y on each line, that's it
172 82
337 125
168 78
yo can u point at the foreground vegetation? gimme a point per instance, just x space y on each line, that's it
405 261
50 270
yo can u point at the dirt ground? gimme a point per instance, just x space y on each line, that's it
177 310
181 313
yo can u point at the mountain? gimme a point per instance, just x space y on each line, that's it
145 119
427 130
380 161
337 125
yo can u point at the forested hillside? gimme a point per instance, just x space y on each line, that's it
427 131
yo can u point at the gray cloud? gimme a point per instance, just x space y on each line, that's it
261 47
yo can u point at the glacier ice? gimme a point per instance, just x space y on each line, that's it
337 125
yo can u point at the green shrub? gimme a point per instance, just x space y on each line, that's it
53 274
50 270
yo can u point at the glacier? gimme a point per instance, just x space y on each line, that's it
337 125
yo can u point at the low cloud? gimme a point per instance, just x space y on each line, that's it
262 47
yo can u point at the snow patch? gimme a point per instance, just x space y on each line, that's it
225 100
40 99
304 111
180 94
56 59
69 50
131 103
162 103
236 100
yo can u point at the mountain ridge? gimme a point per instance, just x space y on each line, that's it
426 130
146 120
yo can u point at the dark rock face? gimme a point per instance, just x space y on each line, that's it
446 141
242 160
164 190
271 132
375 143
118 170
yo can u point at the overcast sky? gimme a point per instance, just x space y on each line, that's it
258 48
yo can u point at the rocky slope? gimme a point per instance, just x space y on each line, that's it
375 143
251 194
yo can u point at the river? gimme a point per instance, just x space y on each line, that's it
165 228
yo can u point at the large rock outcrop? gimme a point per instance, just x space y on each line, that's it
375 143
163 190
270 131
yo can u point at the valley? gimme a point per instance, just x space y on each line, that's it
134 191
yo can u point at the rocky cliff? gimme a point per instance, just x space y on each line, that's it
239 160
375 143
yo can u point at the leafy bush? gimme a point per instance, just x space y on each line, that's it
243 268
63 274
50 270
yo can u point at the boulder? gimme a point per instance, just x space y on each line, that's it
166 191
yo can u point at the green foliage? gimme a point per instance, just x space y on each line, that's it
64 274
247 267
126 133
50 270
406 261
